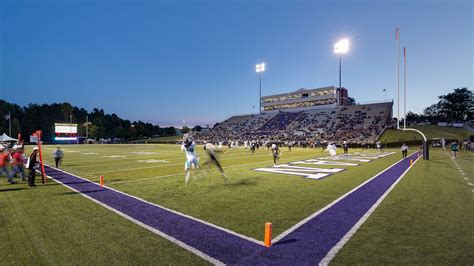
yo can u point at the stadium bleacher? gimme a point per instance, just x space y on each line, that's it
355 123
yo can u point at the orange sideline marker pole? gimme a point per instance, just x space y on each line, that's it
101 180
411 162
268 234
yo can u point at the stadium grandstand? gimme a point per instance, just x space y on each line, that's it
306 115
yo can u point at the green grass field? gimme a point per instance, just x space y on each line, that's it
41 225
431 132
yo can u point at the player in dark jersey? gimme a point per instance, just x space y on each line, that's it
210 149
275 153
345 146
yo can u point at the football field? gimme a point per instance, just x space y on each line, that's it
412 220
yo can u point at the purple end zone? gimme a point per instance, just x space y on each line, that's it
308 244
216 243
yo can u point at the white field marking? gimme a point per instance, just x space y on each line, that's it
139 223
319 162
466 178
152 161
311 174
332 253
144 152
322 170
168 165
470 184
463 174
229 150
90 153
337 158
296 226
196 171
114 156
173 211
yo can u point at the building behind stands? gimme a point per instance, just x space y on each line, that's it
305 99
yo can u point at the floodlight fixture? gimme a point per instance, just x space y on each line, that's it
341 47
260 67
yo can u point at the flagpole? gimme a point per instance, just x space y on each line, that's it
10 123
405 88
398 82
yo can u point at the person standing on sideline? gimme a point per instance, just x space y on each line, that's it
404 150
32 161
17 163
443 144
58 156
345 146
454 148
466 145
275 153
4 158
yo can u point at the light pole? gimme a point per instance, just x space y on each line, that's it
404 88
260 68
341 47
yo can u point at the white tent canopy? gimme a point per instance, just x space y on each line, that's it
5 138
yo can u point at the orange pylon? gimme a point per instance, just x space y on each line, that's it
268 234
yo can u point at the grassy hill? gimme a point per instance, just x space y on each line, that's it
394 135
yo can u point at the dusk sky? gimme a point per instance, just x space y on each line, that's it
169 61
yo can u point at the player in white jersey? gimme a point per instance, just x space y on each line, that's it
331 148
191 159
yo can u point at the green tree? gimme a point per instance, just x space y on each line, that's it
185 129
351 101
457 105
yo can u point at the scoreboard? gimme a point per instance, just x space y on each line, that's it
65 131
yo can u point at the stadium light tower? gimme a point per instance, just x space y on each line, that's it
341 47
260 68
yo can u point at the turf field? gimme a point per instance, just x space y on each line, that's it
44 223
393 135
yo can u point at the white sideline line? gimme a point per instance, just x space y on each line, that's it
173 211
330 255
302 222
156 231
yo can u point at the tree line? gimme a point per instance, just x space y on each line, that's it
28 119
457 106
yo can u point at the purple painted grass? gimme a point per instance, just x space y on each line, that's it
308 244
